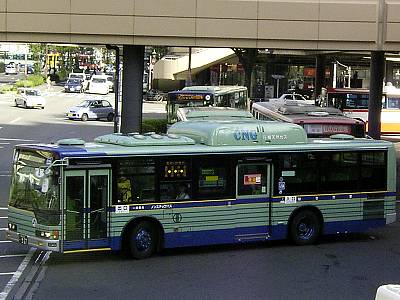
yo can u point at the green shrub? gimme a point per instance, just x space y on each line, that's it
36 79
7 88
154 125
24 83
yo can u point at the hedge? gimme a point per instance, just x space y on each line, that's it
154 125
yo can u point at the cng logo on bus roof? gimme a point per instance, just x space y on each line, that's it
245 135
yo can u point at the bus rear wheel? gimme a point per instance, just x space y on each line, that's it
143 240
305 228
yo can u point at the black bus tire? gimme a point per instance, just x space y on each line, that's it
143 240
305 228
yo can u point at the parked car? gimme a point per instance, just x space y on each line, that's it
110 81
81 76
91 109
154 95
29 69
298 97
98 85
11 69
74 85
27 98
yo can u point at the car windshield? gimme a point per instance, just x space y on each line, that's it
32 93
74 81
76 76
98 80
35 187
85 103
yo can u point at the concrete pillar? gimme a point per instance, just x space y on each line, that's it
132 89
377 70
319 74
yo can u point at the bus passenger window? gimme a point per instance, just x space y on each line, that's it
174 191
136 182
175 180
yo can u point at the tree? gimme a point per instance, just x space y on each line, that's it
247 57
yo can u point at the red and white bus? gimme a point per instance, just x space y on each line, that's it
317 121
354 104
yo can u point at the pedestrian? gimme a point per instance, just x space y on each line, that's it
48 81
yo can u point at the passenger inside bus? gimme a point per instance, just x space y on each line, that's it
182 192
124 190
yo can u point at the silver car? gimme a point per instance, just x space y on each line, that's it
91 109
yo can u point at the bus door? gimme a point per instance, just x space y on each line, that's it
86 197
253 192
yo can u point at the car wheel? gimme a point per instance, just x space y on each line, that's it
25 106
110 117
84 117
42 107
305 228
143 240
15 103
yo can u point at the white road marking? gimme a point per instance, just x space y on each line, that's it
3 208
3 229
3 242
18 140
17 274
3 217
4 174
15 120
12 255
9 273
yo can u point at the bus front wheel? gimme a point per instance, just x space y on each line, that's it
143 240
305 228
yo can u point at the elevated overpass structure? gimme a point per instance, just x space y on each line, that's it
315 25
288 24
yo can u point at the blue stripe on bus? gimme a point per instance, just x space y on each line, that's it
227 236
91 244
231 236
203 203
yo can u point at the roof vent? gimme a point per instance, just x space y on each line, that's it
156 136
318 113
173 136
342 137
71 142
139 136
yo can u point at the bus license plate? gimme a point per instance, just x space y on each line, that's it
23 239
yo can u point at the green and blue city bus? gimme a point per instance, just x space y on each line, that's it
233 96
202 183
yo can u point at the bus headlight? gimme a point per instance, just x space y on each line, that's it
12 226
49 235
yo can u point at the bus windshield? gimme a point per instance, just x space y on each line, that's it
34 187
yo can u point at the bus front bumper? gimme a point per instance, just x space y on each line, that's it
50 245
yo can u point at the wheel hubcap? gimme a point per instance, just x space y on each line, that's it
143 240
305 229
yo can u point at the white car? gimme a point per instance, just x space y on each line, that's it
297 97
98 85
27 98
11 69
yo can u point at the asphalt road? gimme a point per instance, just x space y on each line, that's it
339 267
